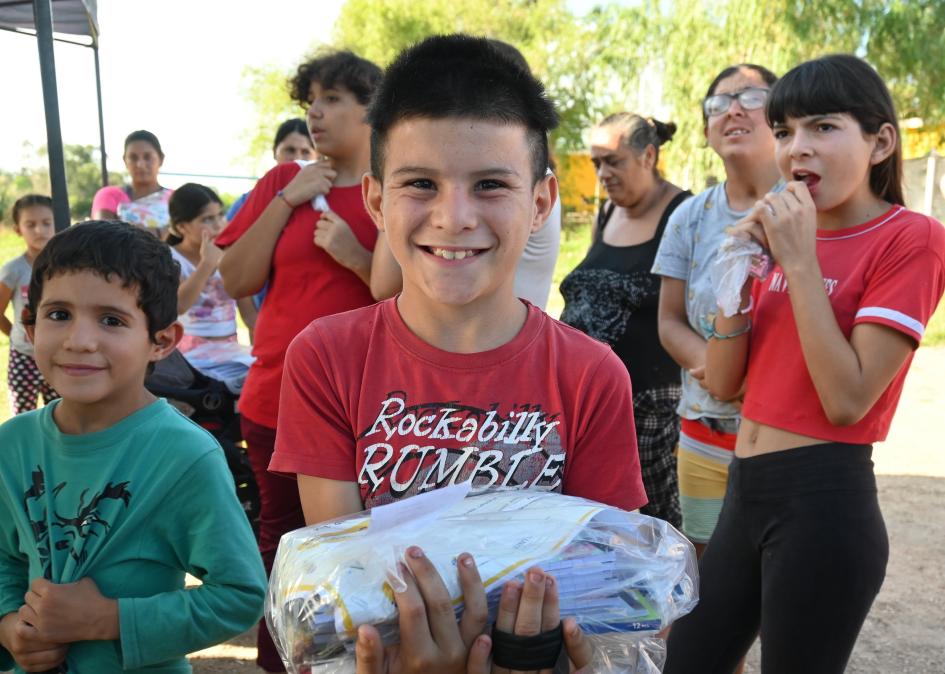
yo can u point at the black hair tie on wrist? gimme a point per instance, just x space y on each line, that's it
540 651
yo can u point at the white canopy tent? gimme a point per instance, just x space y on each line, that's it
42 18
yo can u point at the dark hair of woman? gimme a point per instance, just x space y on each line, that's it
146 137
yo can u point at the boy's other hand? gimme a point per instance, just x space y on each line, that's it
312 180
30 651
70 612
430 638
527 609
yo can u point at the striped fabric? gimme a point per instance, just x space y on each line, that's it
702 463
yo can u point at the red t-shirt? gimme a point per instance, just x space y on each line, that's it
365 400
305 282
891 271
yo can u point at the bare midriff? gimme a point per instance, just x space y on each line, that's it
755 438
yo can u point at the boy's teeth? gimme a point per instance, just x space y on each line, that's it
452 254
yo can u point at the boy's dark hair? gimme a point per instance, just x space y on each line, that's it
112 249
287 128
841 83
464 77
146 137
187 202
27 201
767 76
333 69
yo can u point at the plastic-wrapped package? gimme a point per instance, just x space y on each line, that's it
738 257
623 576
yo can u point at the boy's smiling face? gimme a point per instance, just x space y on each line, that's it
458 205
92 344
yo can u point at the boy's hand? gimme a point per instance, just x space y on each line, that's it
528 610
430 638
70 612
31 652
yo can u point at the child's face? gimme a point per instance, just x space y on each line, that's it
210 220
832 156
92 345
36 227
737 132
458 204
336 121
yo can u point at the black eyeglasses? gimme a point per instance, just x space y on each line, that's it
751 98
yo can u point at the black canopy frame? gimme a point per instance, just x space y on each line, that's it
40 18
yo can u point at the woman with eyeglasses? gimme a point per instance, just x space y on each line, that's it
735 128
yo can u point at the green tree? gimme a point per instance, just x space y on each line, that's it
83 178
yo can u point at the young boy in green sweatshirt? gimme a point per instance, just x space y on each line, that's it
109 495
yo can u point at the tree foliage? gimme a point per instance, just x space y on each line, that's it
83 178
655 57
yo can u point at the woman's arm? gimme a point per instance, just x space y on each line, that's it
726 354
6 294
849 376
191 287
681 342
104 214
386 276
248 312
246 264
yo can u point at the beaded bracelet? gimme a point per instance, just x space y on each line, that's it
709 328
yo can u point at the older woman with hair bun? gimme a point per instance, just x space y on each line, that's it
612 296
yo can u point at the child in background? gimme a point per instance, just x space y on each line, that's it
33 220
207 313
108 496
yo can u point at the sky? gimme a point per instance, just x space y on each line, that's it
173 67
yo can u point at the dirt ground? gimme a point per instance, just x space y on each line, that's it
903 633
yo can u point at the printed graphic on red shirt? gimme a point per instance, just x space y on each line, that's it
412 447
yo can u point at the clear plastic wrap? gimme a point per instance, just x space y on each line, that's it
623 576
738 257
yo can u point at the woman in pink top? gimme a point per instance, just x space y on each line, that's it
144 201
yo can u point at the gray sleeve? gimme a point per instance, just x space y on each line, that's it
8 275
674 257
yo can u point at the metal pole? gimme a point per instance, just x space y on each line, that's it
42 16
101 117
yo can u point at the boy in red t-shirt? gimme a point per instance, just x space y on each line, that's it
456 378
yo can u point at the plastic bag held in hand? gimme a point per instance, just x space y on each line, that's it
738 257
623 576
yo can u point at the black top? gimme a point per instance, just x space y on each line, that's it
613 297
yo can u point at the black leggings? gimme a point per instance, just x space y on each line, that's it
798 556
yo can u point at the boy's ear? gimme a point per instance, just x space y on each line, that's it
372 192
545 193
165 341
885 143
